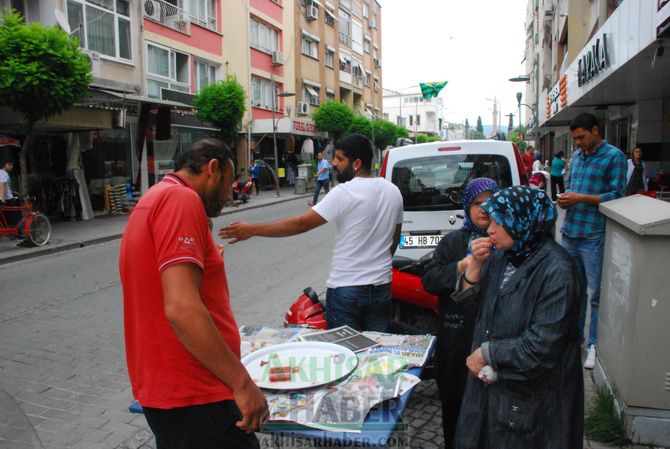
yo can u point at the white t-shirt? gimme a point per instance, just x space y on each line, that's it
4 178
365 212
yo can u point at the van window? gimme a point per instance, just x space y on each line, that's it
437 182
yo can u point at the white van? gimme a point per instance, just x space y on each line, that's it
432 177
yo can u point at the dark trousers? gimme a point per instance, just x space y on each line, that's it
206 426
325 184
255 185
12 217
556 183
454 341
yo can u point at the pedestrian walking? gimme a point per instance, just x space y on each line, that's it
457 319
597 174
367 212
635 179
322 177
556 173
182 341
255 171
528 158
526 386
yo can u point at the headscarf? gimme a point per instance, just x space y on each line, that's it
526 214
474 188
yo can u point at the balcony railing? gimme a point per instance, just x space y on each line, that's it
167 14
345 39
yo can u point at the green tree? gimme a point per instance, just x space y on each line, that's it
360 124
421 138
222 105
467 129
42 73
480 127
515 136
386 133
334 118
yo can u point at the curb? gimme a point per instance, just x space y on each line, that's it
108 238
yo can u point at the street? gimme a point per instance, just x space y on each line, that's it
62 356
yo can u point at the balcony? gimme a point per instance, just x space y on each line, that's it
345 39
167 14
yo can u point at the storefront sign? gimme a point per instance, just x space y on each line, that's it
593 61
558 97
304 127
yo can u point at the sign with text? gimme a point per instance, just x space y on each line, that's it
595 60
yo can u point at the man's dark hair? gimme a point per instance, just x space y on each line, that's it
585 121
203 151
357 146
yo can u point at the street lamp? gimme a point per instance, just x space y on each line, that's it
274 127
532 109
520 79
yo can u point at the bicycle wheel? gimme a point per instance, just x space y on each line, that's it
39 229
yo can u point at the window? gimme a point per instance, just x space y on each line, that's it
366 9
261 93
204 13
205 74
330 95
345 35
418 120
357 37
166 68
263 37
366 80
329 18
366 44
426 181
311 95
345 62
330 58
411 120
310 46
102 26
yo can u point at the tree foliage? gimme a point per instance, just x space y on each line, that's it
382 132
222 104
333 117
361 125
42 70
479 128
515 136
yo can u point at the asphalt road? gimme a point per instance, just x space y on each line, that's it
62 357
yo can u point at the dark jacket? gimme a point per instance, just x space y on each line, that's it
439 277
531 325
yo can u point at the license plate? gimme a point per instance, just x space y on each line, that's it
420 241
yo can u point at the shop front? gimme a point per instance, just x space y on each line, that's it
621 76
298 141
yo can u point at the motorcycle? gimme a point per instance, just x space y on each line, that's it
242 189
306 311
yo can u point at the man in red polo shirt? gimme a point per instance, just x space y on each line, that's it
182 341
528 158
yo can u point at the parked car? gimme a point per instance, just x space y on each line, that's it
432 177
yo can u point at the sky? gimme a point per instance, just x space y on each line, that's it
475 45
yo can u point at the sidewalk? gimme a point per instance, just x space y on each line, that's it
67 235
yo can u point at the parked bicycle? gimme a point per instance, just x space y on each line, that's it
32 224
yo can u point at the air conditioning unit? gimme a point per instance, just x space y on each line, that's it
152 10
277 58
94 61
303 108
311 12
372 24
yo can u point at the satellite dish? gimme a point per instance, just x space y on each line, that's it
62 21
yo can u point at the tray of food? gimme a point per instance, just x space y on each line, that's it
299 365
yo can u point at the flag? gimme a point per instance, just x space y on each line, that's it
430 90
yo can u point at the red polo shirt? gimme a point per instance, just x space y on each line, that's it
168 227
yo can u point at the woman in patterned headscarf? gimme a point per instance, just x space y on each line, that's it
526 333
454 336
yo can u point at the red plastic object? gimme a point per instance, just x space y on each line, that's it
408 287
306 311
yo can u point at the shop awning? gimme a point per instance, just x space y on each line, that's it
156 101
312 91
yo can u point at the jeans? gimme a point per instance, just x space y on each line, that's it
363 307
557 186
589 252
325 183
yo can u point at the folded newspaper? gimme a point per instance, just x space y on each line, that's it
415 349
344 336
258 337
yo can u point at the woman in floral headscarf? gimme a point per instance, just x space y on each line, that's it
457 322
526 388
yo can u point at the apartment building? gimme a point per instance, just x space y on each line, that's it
605 57
411 110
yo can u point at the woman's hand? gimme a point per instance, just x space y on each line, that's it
481 250
463 264
475 362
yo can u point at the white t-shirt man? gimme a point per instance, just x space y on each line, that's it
366 212
4 178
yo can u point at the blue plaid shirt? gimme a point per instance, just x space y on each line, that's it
601 173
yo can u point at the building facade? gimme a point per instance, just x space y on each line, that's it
605 57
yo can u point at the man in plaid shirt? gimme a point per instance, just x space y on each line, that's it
597 174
